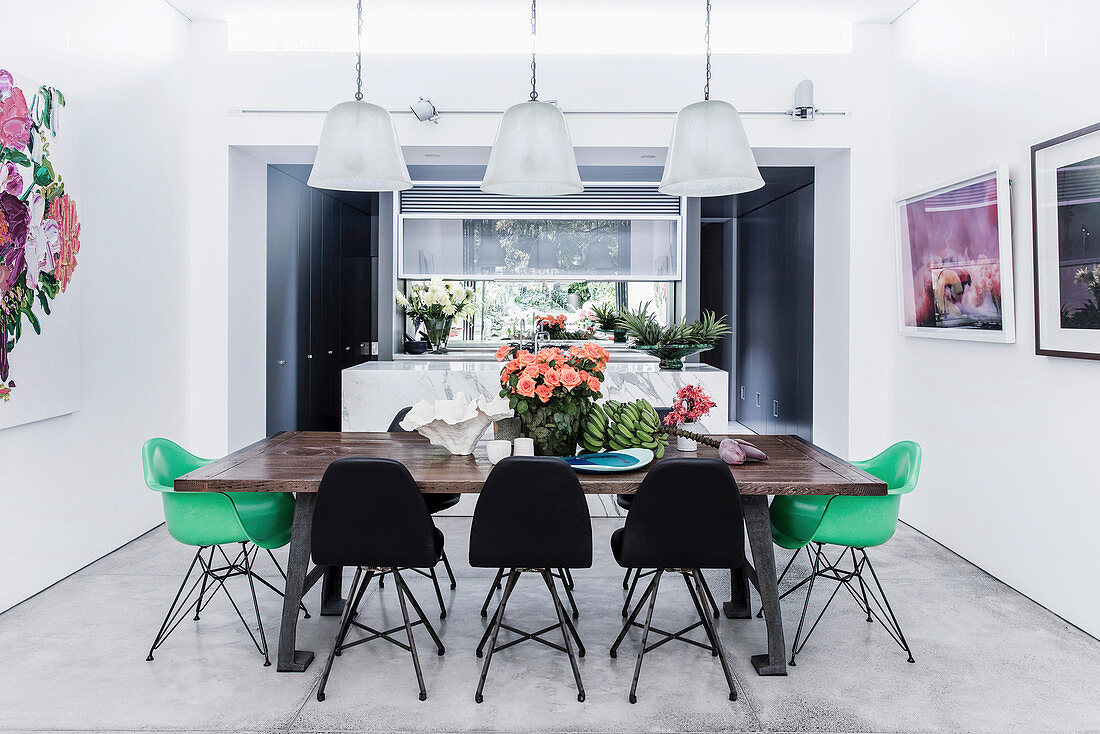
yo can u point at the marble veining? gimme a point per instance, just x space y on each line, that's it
374 392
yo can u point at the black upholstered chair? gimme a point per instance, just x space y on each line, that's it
531 517
634 575
436 502
370 514
686 516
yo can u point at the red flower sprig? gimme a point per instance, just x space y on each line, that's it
691 404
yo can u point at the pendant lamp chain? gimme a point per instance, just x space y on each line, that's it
706 88
534 92
359 54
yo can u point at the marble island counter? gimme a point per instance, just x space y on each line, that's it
373 392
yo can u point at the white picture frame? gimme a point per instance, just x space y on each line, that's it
953 246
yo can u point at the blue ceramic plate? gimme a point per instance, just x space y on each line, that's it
611 461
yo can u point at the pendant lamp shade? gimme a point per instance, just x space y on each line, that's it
709 154
532 154
359 151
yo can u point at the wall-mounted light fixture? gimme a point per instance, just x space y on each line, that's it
803 102
425 111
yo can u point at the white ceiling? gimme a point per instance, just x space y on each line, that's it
565 26
848 11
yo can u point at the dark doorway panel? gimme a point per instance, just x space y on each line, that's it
322 250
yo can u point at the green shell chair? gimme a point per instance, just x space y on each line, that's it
210 520
854 524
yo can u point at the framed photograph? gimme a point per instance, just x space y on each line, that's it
955 260
1065 200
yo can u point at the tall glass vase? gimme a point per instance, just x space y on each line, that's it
553 430
438 331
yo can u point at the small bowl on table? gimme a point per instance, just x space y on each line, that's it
420 347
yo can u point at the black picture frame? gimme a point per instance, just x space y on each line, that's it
1038 246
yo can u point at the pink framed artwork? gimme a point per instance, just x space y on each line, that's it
954 251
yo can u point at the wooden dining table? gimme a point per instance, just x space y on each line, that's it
295 462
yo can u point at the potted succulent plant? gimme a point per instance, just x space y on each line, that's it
607 320
673 342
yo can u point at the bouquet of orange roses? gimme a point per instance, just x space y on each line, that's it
551 392
553 324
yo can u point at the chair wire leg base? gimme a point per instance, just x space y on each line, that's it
567 631
564 625
695 585
489 596
210 581
853 581
409 634
498 617
645 636
450 573
405 597
354 595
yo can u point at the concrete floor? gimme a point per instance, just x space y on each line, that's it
988 659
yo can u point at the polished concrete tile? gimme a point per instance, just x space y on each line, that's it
988 659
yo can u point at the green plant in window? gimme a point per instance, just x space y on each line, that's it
607 316
642 326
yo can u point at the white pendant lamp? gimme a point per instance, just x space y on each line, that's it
709 154
358 150
532 154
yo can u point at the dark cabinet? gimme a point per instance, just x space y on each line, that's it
775 316
320 320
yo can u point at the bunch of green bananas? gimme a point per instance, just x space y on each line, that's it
594 429
634 425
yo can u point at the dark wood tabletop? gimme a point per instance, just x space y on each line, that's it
296 460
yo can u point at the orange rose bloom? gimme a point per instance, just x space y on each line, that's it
593 384
514 366
544 392
525 357
577 351
594 352
584 375
570 378
502 353
543 368
553 378
531 371
526 387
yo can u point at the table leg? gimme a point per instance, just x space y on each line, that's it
332 603
291 660
739 606
758 524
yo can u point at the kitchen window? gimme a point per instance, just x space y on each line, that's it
610 245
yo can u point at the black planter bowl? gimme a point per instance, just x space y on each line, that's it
416 347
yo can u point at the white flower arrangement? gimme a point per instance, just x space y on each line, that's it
437 300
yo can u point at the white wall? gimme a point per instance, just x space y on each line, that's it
72 486
1009 479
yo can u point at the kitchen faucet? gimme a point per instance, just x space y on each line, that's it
537 334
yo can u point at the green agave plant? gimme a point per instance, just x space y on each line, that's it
607 317
643 327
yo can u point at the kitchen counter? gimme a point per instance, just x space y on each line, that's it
373 392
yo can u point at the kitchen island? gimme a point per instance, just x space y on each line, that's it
373 392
